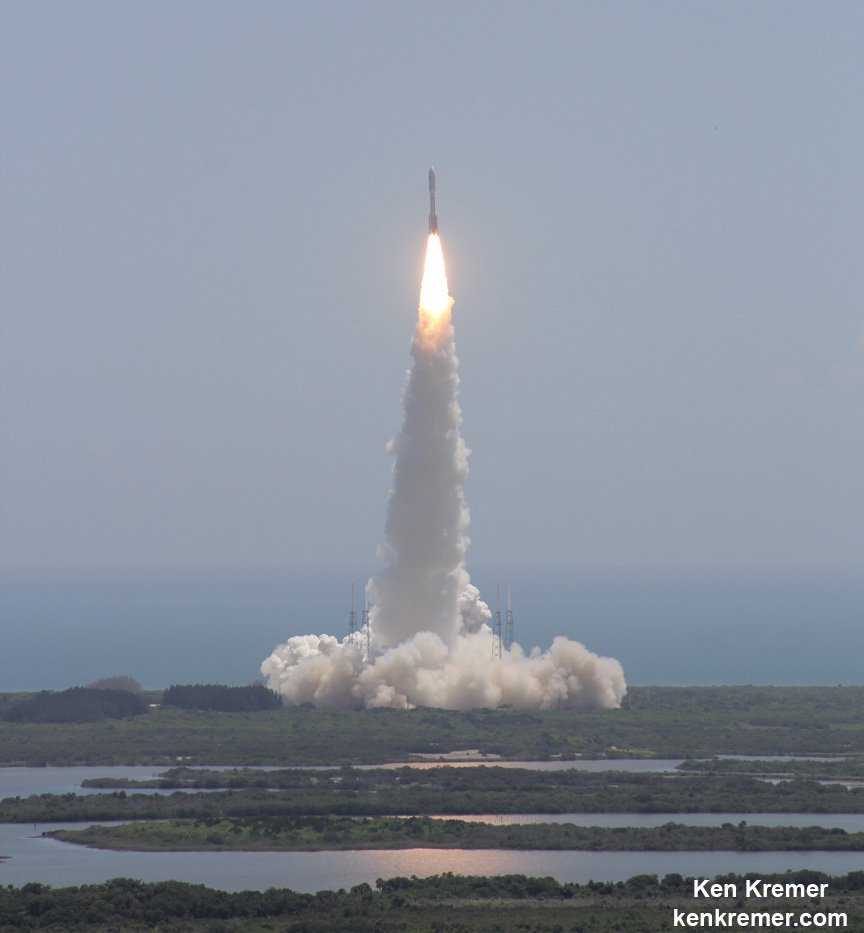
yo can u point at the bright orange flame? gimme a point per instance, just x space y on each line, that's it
435 302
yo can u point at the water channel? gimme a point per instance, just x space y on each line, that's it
34 857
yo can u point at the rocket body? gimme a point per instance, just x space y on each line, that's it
433 217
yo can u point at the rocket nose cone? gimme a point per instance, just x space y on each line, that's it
431 178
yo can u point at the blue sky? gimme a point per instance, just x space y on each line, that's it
212 226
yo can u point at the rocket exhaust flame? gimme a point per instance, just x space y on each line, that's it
435 301
431 643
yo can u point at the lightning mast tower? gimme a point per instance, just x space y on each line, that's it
508 625
352 619
366 635
496 625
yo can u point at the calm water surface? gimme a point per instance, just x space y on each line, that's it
35 858
22 782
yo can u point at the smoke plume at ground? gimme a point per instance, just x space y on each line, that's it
431 642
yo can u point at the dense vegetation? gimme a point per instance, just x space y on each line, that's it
78 704
838 769
828 771
444 790
341 832
222 699
440 904
676 722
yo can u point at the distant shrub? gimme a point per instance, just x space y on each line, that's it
222 699
78 704
129 684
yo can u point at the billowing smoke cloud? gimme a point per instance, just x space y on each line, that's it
431 643
424 671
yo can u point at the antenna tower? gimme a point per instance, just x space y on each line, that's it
496 625
508 625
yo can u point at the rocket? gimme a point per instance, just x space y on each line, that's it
433 217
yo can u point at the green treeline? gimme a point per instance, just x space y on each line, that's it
443 904
210 778
656 722
114 698
335 832
444 790
838 769
78 704
223 699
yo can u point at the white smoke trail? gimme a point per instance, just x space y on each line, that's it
432 644
427 520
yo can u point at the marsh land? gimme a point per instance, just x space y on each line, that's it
229 800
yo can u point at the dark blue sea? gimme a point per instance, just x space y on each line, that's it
67 628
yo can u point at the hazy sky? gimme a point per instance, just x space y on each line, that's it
212 224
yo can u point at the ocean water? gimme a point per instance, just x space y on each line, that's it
66 628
